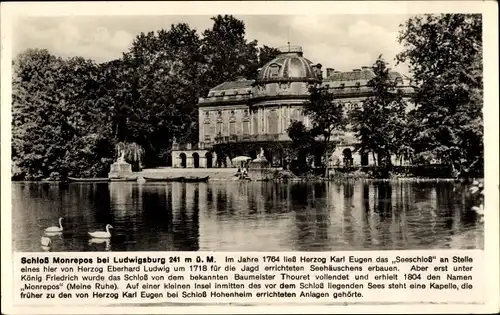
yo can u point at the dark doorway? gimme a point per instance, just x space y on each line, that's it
208 157
183 159
196 160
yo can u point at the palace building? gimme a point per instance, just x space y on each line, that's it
253 113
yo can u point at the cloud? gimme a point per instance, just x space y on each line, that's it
343 42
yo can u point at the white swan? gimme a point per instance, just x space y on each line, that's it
101 234
55 229
45 241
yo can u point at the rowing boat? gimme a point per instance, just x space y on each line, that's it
163 179
124 179
196 179
88 180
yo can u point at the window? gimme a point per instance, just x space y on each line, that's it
219 128
207 131
274 70
272 122
357 85
342 85
256 124
246 127
232 127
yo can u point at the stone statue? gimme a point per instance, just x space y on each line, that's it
121 158
261 154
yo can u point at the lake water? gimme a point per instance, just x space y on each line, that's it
246 216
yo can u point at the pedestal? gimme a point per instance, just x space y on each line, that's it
260 169
120 169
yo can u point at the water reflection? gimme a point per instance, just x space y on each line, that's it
245 216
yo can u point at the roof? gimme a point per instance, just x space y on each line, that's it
289 65
231 85
360 75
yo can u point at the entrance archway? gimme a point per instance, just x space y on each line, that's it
183 159
196 160
208 157
347 153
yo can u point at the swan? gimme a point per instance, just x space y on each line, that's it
101 234
55 229
45 241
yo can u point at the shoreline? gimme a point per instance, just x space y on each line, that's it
140 180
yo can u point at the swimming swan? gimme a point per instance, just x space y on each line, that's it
55 229
101 234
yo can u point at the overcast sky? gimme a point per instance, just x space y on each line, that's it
342 42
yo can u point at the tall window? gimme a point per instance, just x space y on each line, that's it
232 127
256 123
207 131
246 127
272 122
295 116
219 128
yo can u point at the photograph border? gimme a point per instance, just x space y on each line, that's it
489 9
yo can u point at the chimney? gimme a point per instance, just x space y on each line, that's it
329 72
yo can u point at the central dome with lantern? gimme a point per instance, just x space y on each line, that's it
289 65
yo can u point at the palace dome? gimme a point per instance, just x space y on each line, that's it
290 65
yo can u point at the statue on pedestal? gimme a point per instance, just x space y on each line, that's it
261 154
121 158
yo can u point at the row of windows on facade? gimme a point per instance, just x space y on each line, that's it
272 127
357 85
295 113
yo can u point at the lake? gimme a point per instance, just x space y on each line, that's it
246 216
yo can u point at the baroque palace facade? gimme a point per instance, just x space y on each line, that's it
253 113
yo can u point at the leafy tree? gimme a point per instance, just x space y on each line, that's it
380 121
303 144
327 116
444 53
54 110
267 54
227 52
161 89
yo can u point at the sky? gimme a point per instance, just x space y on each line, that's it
342 42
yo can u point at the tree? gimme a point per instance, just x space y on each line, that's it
54 113
267 54
326 116
444 53
227 52
161 87
380 121
303 144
